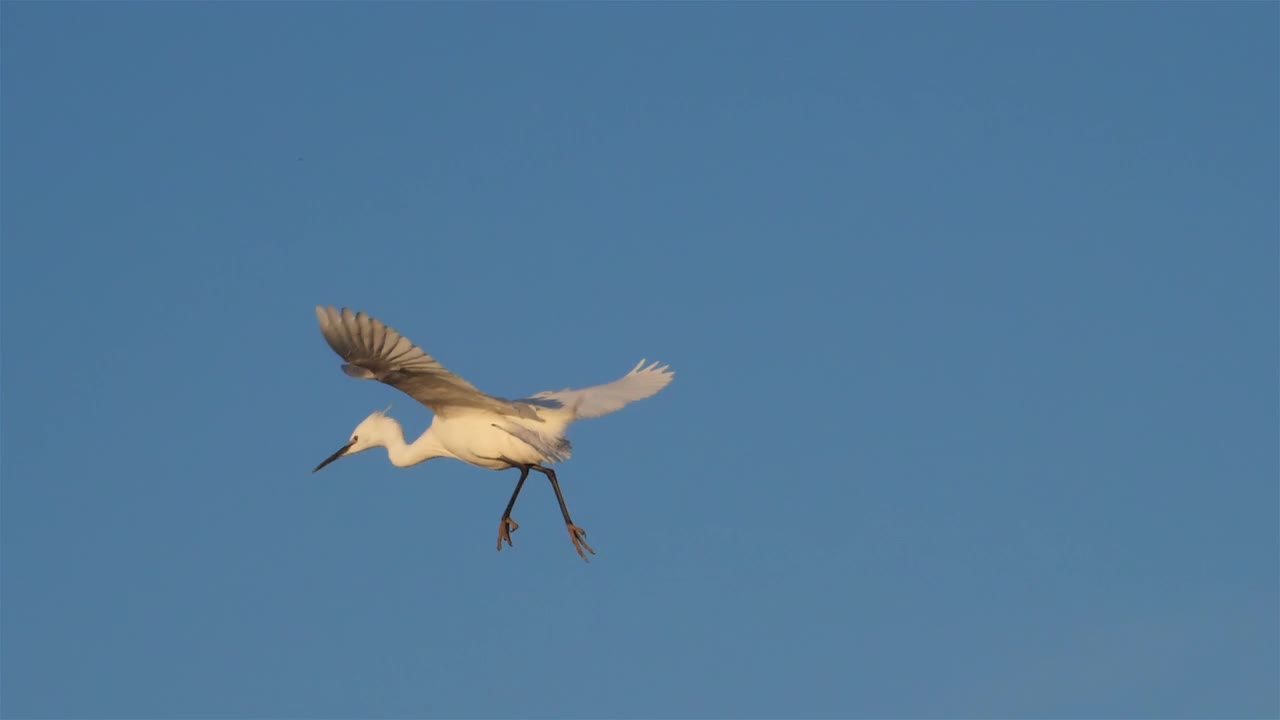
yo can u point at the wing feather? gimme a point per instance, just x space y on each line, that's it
642 382
375 351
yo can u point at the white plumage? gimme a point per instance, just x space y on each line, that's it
469 425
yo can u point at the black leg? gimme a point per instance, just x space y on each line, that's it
507 525
577 534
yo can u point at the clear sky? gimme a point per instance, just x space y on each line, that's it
973 309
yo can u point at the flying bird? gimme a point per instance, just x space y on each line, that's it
482 430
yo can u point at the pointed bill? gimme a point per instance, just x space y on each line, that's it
341 451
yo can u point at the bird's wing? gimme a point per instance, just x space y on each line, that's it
375 351
642 382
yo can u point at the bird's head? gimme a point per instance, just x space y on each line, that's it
370 433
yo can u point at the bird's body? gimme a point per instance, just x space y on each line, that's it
471 426
475 438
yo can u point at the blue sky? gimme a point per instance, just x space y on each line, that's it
973 309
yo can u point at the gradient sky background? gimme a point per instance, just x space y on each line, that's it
973 309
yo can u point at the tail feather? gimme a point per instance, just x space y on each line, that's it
553 449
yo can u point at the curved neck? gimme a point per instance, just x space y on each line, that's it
404 454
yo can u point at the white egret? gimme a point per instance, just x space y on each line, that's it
470 426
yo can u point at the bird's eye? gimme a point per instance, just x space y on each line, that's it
354 438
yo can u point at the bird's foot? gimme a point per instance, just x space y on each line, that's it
579 538
505 528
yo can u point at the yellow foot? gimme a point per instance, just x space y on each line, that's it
505 528
579 537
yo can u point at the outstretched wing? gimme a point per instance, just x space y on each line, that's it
375 351
642 382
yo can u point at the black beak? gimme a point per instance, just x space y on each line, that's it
341 451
